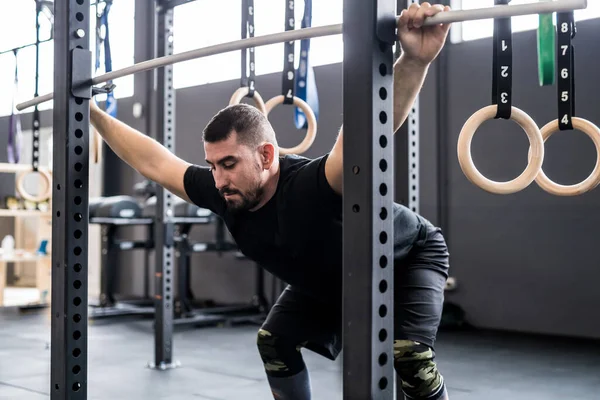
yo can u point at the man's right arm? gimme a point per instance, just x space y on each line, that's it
142 153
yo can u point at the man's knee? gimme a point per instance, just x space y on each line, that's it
416 368
281 357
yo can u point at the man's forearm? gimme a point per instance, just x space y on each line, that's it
138 150
409 76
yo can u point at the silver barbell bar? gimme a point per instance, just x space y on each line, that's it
328 30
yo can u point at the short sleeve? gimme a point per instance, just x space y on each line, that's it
199 186
310 185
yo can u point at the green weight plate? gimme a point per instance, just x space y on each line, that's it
546 38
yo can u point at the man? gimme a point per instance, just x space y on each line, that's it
285 213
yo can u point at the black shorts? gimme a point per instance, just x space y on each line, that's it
419 280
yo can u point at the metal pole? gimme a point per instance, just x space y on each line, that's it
72 61
163 224
369 34
328 30
506 11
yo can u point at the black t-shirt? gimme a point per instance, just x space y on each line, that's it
297 235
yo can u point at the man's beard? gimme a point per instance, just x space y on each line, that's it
242 202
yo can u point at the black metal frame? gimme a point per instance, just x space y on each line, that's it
164 226
369 33
70 199
368 185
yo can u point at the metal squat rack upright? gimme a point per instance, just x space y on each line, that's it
369 35
369 31
70 200
164 244
367 204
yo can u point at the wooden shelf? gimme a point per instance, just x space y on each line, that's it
16 168
24 213
22 257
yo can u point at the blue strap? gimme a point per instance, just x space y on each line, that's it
111 102
15 138
306 85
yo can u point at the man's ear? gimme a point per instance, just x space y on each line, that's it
267 155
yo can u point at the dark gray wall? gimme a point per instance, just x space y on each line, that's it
526 261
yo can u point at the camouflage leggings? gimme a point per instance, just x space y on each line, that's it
413 362
280 357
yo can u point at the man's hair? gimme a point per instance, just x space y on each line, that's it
250 124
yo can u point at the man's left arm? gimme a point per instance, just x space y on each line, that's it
420 45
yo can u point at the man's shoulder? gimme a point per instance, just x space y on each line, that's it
300 169
293 162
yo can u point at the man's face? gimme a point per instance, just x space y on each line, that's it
237 170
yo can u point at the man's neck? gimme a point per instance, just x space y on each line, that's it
270 187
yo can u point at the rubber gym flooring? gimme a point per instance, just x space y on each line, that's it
223 363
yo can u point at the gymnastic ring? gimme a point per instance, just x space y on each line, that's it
242 92
591 181
466 161
311 131
45 195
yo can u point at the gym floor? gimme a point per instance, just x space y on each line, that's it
223 363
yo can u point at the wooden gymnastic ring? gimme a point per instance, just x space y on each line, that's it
591 181
242 92
536 147
311 131
45 195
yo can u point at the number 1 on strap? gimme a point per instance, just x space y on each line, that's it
502 73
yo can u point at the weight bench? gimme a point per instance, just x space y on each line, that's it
115 212
186 217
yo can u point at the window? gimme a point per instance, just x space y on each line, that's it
17 28
122 42
200 24
472 30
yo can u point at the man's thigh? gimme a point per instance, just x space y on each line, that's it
419 282
309 322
